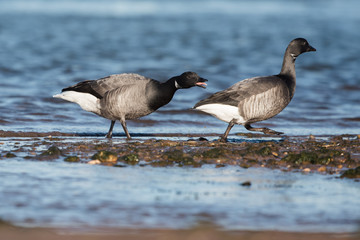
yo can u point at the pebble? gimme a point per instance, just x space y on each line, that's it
246 184
321 169
191 142
94 162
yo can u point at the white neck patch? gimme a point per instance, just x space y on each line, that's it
293 55
177 85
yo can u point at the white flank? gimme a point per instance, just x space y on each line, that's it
86 101
223 112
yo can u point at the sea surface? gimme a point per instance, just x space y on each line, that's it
48 45
82 196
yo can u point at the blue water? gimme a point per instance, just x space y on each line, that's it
48 45
59 194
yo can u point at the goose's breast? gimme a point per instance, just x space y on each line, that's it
264 105
128 102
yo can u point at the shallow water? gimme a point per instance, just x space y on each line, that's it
82 196
46 46
78 195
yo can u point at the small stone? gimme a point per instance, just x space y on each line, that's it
275 154
191 142
321 169
220 165
119 165
10 155
130 159
168 143
351 173
202 139
105 156
307 170
72 159
94 162
244 165
246 184
52 153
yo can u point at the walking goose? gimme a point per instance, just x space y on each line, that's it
259 98
127 96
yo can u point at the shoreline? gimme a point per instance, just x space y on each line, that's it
323 154
122 136
195 233
328 155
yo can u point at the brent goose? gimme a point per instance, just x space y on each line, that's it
259 98
127 96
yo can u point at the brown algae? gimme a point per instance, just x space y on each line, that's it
331 155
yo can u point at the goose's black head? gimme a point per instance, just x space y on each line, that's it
189 79
299 46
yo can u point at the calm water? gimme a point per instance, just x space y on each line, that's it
48 45
78 195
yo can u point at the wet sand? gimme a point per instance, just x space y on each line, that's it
197 233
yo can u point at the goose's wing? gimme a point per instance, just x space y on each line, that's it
242 90
99 87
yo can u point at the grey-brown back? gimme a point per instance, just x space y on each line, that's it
99 87
103 85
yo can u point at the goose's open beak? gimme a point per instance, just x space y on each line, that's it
201 82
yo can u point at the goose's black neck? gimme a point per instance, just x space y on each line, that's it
288 65
170 85
287 72
160 94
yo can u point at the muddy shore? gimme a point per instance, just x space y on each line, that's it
196 233
338 154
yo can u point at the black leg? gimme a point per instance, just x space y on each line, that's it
224 137
109 134
264 130
123 124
